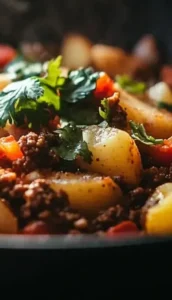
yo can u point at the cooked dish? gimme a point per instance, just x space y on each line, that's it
82 152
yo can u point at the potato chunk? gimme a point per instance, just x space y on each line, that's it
157 123
5 79
76 51
114 153
158 211
8 222
87 193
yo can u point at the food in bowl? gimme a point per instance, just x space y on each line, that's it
82 152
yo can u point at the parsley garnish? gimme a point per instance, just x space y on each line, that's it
104 111
163 105
130 85
138 133
14 94
21 69
30 100
72 144
79 85
53 77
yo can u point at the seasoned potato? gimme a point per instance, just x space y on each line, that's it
158 211
87 193
8 222
114 60
76 51
157 123
109 59
5 79
160 92
114 153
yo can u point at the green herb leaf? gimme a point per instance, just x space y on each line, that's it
52 77
130 85
105 110
138 133
80 114
166 106
23 100
79 85
21 69
17 92
50 97
72 144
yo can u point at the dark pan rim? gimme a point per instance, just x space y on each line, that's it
76 242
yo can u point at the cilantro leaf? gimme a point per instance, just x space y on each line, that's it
50 97
52 77
105 110
79 113
79 85
30 100
17 92
21 69
138 133
164 105
72 144
130 85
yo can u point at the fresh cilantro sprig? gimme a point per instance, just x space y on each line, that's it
31 99
163 105
104 110
79 85
138 133
72 144
53 76
16 93
21 69
130 85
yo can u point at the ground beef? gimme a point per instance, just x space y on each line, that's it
7 182
135 216
38 153
138 196
118 116
41 202
119 119
110 217
156 176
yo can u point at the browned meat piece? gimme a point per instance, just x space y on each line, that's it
109 217
37 152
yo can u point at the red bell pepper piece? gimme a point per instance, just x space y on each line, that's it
7 54
104 87
122 228
10 148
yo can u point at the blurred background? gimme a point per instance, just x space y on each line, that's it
117 36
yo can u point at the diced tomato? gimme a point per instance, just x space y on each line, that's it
10 148
7 54
162 154
104 87
53 124
37 227
122 228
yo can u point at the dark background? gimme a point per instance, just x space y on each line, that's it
114 22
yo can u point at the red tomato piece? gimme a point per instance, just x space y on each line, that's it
162 154
54 123
104 87
37 227
7 54
123 227
10 148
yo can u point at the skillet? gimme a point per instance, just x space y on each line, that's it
78 261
